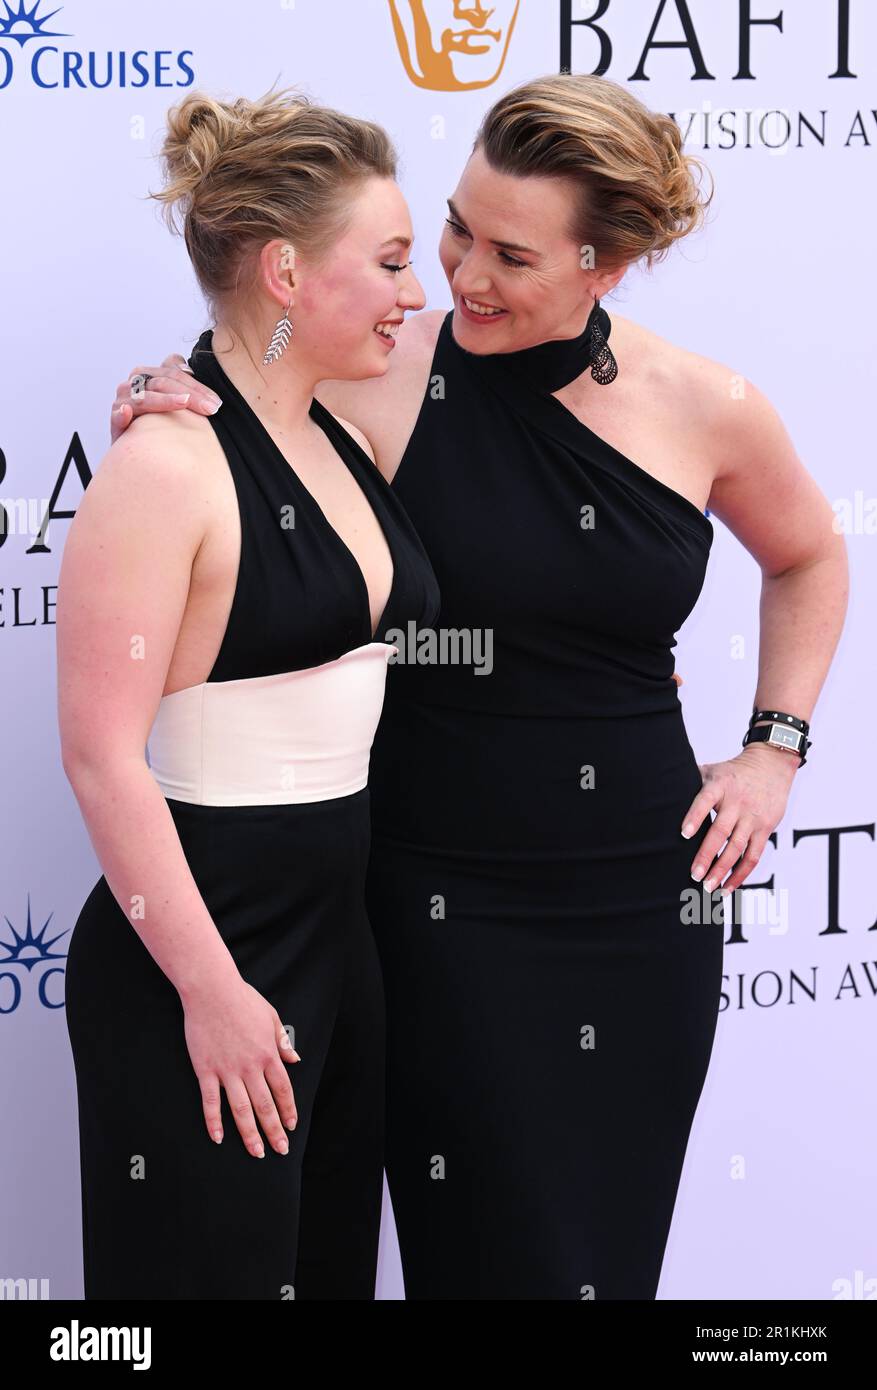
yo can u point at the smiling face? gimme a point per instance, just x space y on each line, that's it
349 302
453 45
512 262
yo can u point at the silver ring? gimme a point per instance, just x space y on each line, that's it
138 384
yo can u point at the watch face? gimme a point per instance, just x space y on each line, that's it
786 738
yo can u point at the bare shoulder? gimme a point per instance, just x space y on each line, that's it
169 443
182 429
668 368
156 490
420 331
166 464
386 407
758 485
410 358
414 352
712 400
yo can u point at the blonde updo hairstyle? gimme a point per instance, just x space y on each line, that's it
636 192
239 174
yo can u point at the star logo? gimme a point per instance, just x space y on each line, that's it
23 23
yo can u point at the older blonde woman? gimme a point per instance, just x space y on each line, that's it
538 834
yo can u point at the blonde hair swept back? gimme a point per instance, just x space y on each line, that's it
637 193
241 173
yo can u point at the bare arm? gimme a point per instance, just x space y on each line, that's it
123 589
122 593
766 496
386 407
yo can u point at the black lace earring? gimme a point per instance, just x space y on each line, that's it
604 367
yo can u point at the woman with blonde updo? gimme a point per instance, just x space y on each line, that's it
224 591
552 968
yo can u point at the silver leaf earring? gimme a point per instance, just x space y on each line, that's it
279 338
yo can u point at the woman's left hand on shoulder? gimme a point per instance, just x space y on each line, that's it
749 794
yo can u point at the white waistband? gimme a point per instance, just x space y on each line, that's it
272 740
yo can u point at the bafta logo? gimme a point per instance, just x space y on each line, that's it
453 45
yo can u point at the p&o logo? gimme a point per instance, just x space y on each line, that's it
26 953
25 52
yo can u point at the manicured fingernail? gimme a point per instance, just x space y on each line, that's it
709 884
688 830
217 1135
283 1147
697 872
291 1124
258 1151
296 1056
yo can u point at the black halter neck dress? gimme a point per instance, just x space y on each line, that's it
551 1007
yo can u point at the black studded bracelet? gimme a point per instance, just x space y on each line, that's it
784 731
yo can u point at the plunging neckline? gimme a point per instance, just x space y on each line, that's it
315 412
326 421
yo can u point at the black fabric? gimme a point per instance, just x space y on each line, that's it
549 366
514 906
301 599
285 887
